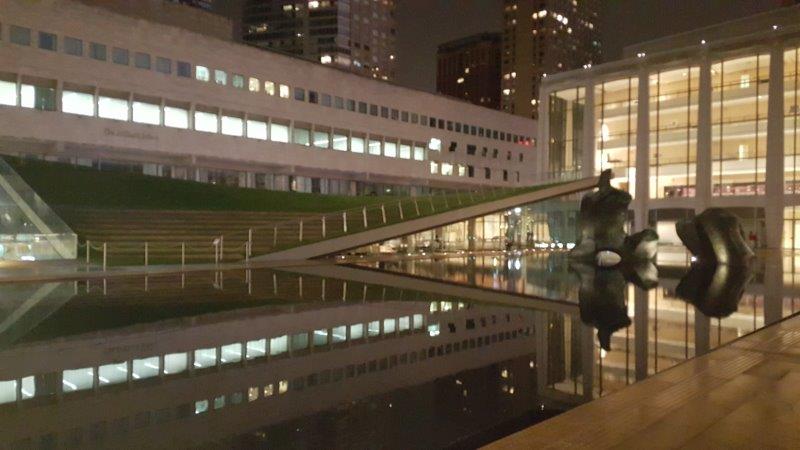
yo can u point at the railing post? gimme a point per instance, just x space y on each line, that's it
105 256
416 205
300 233
400 208
275 236
247 251
215 243
146 254
323 226
222 247
183 254
344 221
383 213
249 242
364 214
88 250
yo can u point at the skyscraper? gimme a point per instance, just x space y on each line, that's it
469 68
542 37
355 35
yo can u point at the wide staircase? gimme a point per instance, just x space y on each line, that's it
168 236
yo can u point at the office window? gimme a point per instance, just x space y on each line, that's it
206 121
362 107
414 118
256 349
495 152
440 123
313 97
356 331
237 81
77 379
141 60
283 91
373 110
20 35
505 175
269 88
176 117
487 173
175 363
149 113
112 108
384 112
8 93
389 326
447 169
97 51
145 368
112 374
120 56
374 147
471 149
395 114
326 100
278 345
419 153
357 144
404 116
432 122
434 167
279 132
253 84
470 171
220 77
320 337
449 125
301 135
205 357
299 341
350 105
374 328
435 145
232 126
257 130
77 103
405 151
230 353
299 94
390 149
73 46
338 334
184 69
339 141
338 103
164 65
48 41
322 139
202 73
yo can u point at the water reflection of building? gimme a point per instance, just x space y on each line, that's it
185 381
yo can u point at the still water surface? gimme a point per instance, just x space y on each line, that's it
275 359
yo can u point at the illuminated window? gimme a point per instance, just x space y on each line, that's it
390 149
78 379
175 363
145 368
357 144
278 345
220 77
232 126
283 91
205 357
254 85
112 374
279 132
205 121
256 349
405 151
201 73
419 153
269 87
77 103
257 130
231 353
112 108
237 81
176 117
340 141
146 113
374 147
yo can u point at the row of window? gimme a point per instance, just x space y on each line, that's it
74 46
81 100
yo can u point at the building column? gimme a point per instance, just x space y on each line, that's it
543 144
703 165
642 166
588 132
773 205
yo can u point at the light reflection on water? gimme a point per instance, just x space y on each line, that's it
277 359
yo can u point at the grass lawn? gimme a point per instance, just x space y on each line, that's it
63 185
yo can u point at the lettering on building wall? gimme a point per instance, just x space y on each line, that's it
130 134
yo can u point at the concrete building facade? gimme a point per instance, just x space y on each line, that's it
111 91
469 69
702 119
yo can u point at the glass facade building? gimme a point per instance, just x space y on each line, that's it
703 119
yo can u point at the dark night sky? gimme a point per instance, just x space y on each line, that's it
424 24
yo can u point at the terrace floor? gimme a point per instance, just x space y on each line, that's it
742 395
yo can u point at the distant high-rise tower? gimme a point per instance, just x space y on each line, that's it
542 37
358 36
469 68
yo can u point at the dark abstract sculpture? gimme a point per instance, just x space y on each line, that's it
715 289
602 239
715 237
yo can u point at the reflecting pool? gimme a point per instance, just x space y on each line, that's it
280 359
